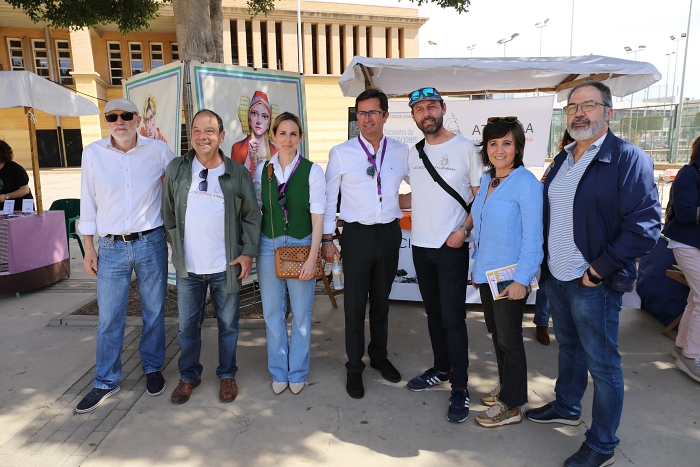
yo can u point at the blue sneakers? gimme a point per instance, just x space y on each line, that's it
94 398
547 414
430 378
459 405
587 457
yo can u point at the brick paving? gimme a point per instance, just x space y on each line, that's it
58 437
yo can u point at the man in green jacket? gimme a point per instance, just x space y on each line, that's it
212 220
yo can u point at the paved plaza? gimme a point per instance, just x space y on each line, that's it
46 368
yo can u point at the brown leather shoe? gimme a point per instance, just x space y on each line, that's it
183 391
543 335
228 390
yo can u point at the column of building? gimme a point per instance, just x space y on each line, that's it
87 82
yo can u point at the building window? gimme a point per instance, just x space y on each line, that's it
14 47
278 39
341 37
329 45
314 48
116 72
355 40
402 38
368 41
249 42
135 58
174 53
263 44
41 58
65 65
234 43
156 55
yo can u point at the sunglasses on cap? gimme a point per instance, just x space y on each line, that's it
424 92
505 119
126 116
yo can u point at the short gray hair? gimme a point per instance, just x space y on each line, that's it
604 91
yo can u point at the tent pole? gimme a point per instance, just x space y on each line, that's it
35 161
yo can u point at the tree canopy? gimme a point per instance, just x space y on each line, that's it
135 15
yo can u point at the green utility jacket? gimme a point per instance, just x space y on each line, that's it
241 212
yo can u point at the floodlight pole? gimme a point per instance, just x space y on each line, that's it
680 103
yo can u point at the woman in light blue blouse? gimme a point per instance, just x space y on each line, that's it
507 215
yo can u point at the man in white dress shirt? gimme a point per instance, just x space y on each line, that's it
440 226
120 201
367 171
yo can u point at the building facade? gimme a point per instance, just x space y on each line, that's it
94 61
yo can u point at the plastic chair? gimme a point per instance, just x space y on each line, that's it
71 209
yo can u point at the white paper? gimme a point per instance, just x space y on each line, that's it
27 206
9 206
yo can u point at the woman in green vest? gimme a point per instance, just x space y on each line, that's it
292 196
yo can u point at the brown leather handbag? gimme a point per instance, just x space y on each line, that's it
290 259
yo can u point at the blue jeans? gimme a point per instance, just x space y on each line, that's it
542 303
586 322
116 261
288 357
191 302
442 279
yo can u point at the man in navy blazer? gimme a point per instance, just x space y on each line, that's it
601 213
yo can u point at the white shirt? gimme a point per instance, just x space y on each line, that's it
317 182
436 214
347 171
205 245
121 191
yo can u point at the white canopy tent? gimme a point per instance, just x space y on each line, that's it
32 92
463 76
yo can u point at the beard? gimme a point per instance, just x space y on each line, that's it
582 134
430 126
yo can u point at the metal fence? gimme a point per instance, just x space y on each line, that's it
652 128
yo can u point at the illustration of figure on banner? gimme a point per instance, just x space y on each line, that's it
255 115
149 128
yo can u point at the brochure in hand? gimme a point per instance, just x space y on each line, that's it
501 278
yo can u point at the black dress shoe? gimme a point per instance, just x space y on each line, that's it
389 372
355 388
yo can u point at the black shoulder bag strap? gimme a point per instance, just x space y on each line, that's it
438 179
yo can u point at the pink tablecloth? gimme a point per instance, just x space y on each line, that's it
33 244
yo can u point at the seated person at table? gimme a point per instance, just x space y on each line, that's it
14 181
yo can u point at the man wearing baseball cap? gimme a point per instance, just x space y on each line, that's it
440 226
120 202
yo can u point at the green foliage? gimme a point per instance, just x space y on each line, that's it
696 120
136 15
129 15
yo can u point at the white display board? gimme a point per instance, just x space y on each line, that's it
467 118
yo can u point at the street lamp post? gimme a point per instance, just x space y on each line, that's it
540 26
471 48
504 41
629 51
434 44
680 102
571 40
675 66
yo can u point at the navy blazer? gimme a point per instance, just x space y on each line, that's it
685 226
617 214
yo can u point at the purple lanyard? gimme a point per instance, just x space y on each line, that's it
374 164
283 187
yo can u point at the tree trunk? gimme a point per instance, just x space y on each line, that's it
199 29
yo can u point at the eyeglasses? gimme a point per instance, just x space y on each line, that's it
369 113
126 116
425 92
203 184
587 106
505 119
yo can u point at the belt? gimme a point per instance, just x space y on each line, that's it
370 226
132 236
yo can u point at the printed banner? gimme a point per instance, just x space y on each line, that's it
248 101
468 118
158 95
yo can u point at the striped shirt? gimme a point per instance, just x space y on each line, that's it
565 261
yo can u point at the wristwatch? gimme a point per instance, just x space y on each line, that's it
593 278
466 230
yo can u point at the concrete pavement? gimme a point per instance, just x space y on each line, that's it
45 370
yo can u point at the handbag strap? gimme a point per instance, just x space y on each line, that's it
438 179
